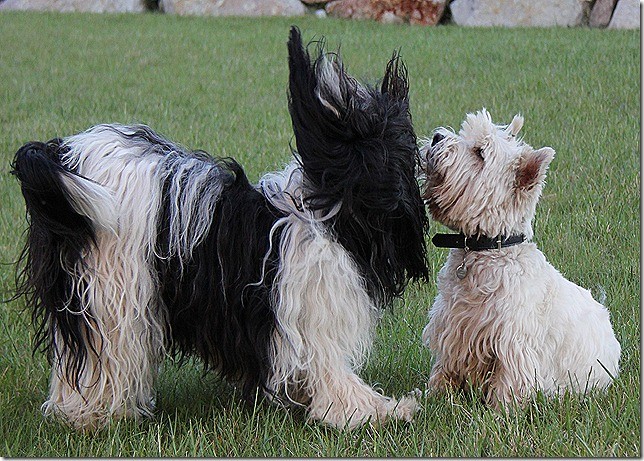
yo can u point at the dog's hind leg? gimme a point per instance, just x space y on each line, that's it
123 340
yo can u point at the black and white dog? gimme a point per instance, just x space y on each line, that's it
137 248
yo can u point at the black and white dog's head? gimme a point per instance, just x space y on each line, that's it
359 154
137 247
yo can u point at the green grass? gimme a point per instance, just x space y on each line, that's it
220 85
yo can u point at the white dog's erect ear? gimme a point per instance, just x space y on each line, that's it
532 167
515 126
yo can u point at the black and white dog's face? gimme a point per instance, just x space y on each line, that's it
138 246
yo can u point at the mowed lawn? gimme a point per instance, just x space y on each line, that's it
221 85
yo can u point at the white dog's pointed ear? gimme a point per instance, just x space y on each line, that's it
515 126
532 167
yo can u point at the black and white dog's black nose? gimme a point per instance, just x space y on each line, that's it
438 137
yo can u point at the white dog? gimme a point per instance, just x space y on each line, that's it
504 320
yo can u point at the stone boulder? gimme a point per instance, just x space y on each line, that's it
601 13
626 15
425 12
519 13
233 7
88 6
352 9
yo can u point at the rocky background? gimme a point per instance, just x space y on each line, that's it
623 14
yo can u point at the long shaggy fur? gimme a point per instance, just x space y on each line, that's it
138 248
357 147
512 324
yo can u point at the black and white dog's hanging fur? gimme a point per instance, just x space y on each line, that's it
138 248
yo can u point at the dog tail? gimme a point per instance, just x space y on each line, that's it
64 209
359 156
57 197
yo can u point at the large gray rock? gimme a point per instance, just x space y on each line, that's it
91 6
602 11
518 13
626 15
234 7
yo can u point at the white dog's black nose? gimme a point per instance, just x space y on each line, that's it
438 137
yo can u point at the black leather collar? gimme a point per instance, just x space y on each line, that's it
476 243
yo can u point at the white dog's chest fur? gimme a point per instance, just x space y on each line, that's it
515 323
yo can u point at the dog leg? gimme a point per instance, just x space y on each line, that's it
103 391
438 380
516 375
325 324
123 341
345 400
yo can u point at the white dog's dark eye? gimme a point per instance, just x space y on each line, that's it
478 151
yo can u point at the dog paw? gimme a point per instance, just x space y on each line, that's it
407 407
